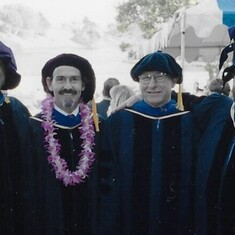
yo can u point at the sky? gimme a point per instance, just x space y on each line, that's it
56 11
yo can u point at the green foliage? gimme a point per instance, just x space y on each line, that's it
147 14
141 19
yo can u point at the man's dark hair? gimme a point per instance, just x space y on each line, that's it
108 84
83 65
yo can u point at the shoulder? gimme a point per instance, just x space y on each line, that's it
215 101
14 102
17 106
119 116
119 113
102 102
35 120
37 116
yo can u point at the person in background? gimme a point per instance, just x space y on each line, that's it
102 107
148 148
14 150
4 92
119 94
221 183
64 145
216 85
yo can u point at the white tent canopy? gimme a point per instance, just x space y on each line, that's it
195 33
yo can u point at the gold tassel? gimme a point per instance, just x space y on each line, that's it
95 115
180 104
7 100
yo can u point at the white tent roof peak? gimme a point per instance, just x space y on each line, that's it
193 33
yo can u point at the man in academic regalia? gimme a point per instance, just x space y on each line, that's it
63 139
211 121
103 105
151 146
214 188
14 150
213 165
221 180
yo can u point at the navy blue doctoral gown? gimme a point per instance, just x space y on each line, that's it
102 108
150 190
15 167
213 136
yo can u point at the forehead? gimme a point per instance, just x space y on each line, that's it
152 72
65 70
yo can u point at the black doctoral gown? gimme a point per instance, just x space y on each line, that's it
149 191
14 168
62 209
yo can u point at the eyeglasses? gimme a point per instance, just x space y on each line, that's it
146 78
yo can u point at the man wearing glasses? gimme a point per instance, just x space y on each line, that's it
150 143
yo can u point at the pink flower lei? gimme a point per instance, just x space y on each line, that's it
53 147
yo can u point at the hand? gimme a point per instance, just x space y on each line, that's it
128 103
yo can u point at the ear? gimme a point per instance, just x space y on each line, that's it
83 87
174 80
49 82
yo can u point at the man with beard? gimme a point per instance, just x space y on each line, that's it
63 140
14 146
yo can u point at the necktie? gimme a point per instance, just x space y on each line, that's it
71 116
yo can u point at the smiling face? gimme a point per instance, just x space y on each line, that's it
156 88
66 86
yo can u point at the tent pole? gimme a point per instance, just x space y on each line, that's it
182 28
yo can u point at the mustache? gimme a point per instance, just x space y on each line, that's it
68 91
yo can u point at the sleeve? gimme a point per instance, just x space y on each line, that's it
190 101
232 114
108 184
21 119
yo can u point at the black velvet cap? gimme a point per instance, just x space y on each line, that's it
157 61
88 75
228 72
12 78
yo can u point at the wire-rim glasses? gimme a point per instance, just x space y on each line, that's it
158 77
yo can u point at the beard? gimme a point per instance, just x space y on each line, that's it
68 100
68 103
